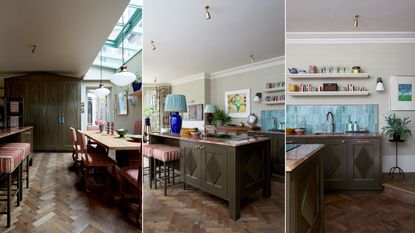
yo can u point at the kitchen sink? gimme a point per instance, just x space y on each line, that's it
330 134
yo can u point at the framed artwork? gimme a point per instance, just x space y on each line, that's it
195 112
238 103
121 103
402 97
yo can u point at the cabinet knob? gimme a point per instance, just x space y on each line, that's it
343 141
202 147
197 147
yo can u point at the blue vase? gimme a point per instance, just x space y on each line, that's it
175 123
137 86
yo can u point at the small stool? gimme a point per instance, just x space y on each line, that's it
165 155
147 151
27 157
10 160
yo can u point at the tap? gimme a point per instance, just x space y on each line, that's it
332 121
274 122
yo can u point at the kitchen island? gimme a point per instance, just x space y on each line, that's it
304 188
231 169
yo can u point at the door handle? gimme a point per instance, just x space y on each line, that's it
202 147
364 141
197 147
63 118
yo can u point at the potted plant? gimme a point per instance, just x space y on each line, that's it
137 83
220 118
101 124
396 128
148 113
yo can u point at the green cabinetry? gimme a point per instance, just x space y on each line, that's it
277 150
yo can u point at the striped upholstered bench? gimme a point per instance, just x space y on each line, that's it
25 147
11 158
166 155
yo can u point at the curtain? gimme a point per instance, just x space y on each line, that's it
161 93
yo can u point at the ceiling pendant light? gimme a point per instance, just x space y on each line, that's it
252 58
152 45
207 13
101 91
123 77
356 21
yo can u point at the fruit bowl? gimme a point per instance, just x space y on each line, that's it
135 137
121 132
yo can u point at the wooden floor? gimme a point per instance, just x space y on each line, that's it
54 204
196 211
367 212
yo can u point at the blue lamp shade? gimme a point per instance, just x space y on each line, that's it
175 104
209 108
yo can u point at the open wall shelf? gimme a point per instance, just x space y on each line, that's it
275 102
329 75
329 93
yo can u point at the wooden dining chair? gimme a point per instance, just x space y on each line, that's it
93 159
76 148
131 186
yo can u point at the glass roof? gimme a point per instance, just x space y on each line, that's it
129 27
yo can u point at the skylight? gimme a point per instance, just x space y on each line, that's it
131 30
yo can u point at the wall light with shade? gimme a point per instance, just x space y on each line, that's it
209 110
175 103
101 91
379 85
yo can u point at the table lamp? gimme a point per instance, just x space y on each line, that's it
175 103
209 110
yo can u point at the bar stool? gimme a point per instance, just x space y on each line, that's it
167 155
147 151
25 147
10 162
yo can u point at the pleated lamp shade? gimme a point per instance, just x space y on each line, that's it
175 103
209 109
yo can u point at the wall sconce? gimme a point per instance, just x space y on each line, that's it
258 97
379 85
34 49
207 13
152 45
252 58
356 21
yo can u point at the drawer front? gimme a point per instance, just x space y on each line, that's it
191 163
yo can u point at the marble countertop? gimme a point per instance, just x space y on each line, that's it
336 135
299 155
217 141
10 131
266 132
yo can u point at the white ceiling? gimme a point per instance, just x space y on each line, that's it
338 15
187 43
68 34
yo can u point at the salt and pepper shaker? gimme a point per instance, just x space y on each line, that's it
112 128
108 127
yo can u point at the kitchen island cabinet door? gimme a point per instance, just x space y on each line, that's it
334 162
215 159
296 140
304 197
365 169
191 163
279 153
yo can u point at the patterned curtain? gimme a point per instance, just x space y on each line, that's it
161 93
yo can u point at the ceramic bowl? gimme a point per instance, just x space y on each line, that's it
136 137
121 132
195 134
165 130
289 130
187 131
300 131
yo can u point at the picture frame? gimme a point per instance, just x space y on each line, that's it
195 112
121 103
238 103
403 93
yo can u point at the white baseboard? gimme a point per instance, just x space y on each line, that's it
406 162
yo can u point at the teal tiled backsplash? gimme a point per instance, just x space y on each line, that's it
313 117
267 119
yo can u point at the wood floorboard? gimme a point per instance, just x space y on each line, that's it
367 212
196 211
56 203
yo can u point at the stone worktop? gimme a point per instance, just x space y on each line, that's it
211 140
11 131
299 155
336 135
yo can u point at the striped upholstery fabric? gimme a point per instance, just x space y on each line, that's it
166 153
25 147
148 148
10 159
131 174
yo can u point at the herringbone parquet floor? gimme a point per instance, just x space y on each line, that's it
196 211
366 213
53 203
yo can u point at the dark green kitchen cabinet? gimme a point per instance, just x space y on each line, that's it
334 156
296 140
365 168
277 150
304 196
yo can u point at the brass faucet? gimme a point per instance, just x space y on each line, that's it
332 121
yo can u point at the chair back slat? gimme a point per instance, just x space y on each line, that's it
138 127
72 131
83 141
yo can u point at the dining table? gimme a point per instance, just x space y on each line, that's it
127 150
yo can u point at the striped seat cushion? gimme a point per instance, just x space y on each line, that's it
25 147
131 174
148 149
10 159
95 159
166 153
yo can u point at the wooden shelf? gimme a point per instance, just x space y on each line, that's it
137 93
329 75
329 93
275 102
274 89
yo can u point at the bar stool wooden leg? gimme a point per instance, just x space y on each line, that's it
9 198
27 171
20 184
150 161
165 179
155 173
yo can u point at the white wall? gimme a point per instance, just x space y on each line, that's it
380 60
